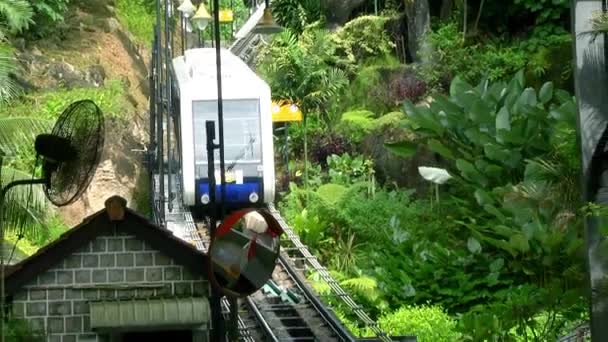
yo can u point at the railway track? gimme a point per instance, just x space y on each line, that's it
284 309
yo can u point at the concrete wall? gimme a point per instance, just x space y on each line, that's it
110 267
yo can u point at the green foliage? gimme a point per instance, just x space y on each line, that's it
296 14
15 17
347 170
331 193
17 132
501 141
138 17
525 313
8 88
364 38
451 57
370 90
357 124
18 330
305 72
363 289
546 11
50 104
47 15
427 323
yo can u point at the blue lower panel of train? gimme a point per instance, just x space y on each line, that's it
250 192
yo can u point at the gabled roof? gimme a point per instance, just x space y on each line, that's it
97 225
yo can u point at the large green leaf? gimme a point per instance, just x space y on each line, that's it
437 147
404 149
423 117
519 242
503 119
473 245
546 93
470 172
480 112
459 86
483 198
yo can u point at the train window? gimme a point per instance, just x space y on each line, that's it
242 138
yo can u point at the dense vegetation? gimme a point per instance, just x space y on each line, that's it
482 243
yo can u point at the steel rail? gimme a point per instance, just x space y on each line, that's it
326 276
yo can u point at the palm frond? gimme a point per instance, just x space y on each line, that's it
8 87
24 206
17 14
16 132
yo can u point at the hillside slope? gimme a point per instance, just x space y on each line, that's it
92 50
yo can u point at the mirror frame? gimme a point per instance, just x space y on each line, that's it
225 227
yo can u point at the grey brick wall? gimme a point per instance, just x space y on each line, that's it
57 304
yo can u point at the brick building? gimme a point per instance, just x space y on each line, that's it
114 277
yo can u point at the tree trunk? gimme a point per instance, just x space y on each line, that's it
446 9
418 25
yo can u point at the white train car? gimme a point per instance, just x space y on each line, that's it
248 135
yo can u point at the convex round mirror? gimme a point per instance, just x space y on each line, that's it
244 252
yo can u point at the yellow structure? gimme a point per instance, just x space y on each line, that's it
226 16
285 111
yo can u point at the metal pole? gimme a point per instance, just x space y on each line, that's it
220 119
159 127
591 84
216 309
168 102
220 103
183 29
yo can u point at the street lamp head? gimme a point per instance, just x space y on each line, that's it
187 8
202 17
267 25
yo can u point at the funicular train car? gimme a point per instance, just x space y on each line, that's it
248 136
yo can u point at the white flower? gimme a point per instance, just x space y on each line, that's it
434 174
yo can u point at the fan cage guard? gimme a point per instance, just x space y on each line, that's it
82 124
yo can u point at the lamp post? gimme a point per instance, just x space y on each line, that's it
267 25
186 9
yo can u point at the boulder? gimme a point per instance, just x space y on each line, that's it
95 75
111 25
66 74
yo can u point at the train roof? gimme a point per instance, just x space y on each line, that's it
197 68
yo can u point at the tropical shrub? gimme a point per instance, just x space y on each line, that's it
347 170
305 71
47 15
364 38
512 152
427 323
296 14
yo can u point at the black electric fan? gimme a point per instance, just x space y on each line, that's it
69 155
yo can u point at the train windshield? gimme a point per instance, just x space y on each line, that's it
242 138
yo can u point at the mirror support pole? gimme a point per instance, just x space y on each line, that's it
218 328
